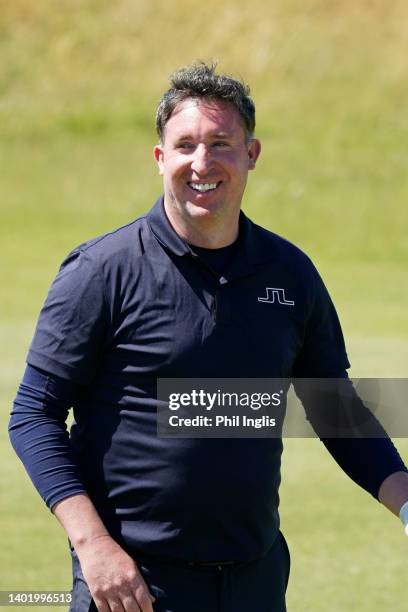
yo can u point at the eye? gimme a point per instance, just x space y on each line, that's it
184 146
221 144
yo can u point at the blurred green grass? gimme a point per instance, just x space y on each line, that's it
78 89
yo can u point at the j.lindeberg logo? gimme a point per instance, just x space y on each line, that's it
274 294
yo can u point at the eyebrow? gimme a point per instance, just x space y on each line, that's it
214 136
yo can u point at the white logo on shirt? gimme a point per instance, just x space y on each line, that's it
273 294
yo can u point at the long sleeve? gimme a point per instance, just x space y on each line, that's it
367 461
350 432
39 434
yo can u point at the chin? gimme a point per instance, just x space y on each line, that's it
202 209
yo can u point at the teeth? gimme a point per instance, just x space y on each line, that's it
203 186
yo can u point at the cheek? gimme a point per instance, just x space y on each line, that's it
237 166
174 177
175 169
238 173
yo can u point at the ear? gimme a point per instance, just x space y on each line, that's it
254 149
158 156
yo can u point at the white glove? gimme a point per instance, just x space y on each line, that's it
403 514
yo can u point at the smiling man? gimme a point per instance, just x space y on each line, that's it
204 156
187 291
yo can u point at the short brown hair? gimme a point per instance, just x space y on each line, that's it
200 82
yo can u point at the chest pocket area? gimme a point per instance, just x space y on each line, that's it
271 328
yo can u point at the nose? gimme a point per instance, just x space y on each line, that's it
202 160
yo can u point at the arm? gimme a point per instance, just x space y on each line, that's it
369 462
393 493
356 439
368 456
111 574
38 433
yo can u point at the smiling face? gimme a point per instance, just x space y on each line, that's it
204 161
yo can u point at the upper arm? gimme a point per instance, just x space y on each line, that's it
72 326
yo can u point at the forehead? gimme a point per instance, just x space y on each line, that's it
195 117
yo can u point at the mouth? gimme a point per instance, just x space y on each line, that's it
203 187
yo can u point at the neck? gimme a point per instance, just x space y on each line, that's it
213 233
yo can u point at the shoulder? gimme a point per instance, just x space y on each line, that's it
127 240
112 250
106 262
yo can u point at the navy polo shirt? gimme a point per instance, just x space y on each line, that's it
138 304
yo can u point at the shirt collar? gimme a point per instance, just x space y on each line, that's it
163 230
254 242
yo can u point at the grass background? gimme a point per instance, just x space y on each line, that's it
79 82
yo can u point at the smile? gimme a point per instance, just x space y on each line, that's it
203 187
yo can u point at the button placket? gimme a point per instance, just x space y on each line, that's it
221 306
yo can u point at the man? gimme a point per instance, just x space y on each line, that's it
179 525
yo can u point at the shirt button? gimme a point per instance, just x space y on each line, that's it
222 280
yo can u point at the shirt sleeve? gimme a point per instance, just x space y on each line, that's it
367 461
39 434
323 353
71 330
366 454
